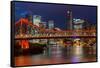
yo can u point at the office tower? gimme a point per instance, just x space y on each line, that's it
36 20
78 23
44 24
69 20
50 24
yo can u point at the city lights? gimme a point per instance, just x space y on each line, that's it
49 35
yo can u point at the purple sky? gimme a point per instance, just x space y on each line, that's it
56 12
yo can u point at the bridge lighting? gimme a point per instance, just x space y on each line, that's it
21 35
24 44
55 32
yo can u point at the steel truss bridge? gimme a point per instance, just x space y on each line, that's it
25 29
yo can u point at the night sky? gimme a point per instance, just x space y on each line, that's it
56 12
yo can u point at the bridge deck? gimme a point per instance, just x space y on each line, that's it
52 37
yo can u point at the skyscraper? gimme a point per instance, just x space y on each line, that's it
50 24
44 24
36 19
69 20
78 23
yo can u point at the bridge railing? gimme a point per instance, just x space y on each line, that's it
59 33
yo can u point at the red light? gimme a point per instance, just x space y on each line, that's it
24 44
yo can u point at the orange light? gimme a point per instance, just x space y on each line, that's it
24 44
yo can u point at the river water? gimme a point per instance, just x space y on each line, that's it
56 54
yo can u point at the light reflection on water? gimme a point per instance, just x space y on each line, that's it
77 54
54 55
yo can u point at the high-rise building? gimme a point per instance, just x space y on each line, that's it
78 23
50 24
41 25
36 19
69 20
44 24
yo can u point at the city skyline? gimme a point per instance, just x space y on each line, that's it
46 33
58 13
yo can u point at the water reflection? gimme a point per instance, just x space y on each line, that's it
56 53
77 54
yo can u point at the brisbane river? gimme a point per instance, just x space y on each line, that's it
56 54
